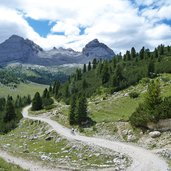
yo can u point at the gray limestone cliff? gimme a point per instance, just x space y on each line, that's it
18 49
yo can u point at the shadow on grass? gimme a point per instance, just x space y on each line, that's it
88 123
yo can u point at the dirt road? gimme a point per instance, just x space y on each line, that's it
143 160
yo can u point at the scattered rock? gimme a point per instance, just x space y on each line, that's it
130 132
58 140
126 95
44 157
26 151
7 145
49 138
33 137
24 133
155 134
125 132
131 138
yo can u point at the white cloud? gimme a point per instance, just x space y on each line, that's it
160 32
118 23
12 22
69 27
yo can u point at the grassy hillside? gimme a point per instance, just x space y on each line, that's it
120 106
23 89
41 74
109 108
118 73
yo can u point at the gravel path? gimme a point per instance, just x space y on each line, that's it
143 160
25 164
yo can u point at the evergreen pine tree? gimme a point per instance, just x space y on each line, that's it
2 103
168 48
45 93
10 113
153 97
28 99
161 49
84 84
37 102
118 76
66 95
84 68
114 62
105 73
78 74
72 111
50 89
81 110
142 53
17 102
156 53
56 89
89 66
128 55
133 52
151 68
94 63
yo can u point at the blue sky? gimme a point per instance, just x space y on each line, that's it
120 24
42 27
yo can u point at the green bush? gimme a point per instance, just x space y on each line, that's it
145 81
140 117
133 95
49 107
47 101
163 111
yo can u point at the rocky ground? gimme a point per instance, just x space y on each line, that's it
158 142
38 142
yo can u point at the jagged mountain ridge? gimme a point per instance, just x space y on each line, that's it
18 49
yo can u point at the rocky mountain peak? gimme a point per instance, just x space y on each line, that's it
95 49
15 38
18 49
93 43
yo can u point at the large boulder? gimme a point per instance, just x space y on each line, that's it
155 134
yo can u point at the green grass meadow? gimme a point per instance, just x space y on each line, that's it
23 89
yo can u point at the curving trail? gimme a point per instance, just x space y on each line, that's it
25 164
143 160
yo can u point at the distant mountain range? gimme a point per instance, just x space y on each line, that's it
25 51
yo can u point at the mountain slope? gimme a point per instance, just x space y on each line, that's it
18 49
98 50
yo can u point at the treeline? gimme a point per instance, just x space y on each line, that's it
111 75
10 112
37 75
9 78
116 74
78 114
153 108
